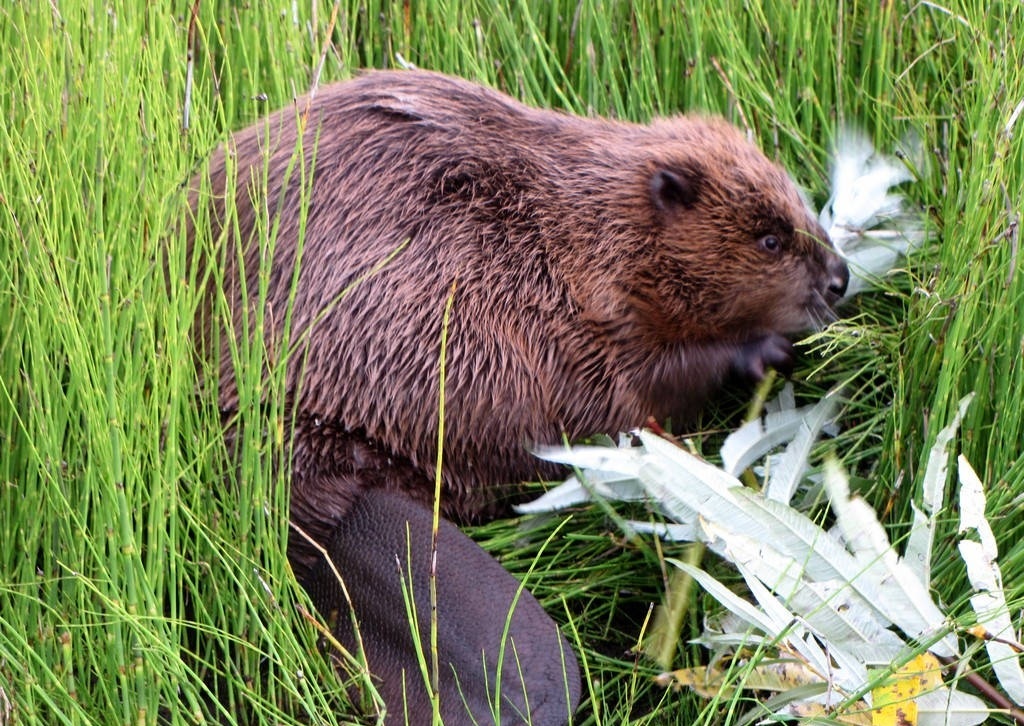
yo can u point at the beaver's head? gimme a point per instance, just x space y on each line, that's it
734 251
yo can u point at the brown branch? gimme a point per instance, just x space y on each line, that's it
992 694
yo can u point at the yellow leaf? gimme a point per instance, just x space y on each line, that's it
778 676
706 682
894 703
811 711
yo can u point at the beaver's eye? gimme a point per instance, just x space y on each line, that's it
771 243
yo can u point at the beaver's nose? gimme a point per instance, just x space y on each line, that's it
838 276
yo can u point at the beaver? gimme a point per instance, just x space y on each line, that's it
599 273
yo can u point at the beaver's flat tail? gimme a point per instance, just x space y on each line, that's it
494 669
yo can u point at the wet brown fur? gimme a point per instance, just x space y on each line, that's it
605 272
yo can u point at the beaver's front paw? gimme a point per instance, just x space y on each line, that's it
756 356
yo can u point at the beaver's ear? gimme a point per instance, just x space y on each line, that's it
676 188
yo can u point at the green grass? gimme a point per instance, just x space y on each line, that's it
142 578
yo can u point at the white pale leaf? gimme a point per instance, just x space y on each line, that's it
988 600
849 672
862 618
782 574
754 439
861 199
873 257
790 532
671 532
972 509
789 468
730 600
682 483
608 485
918 551
625 461
787 624
902 598
732 641
861 181
839 617
943 707
657 449
786 400
849 625
793 534
567 494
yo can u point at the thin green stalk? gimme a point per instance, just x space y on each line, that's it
435 670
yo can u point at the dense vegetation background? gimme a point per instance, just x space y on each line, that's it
143 579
